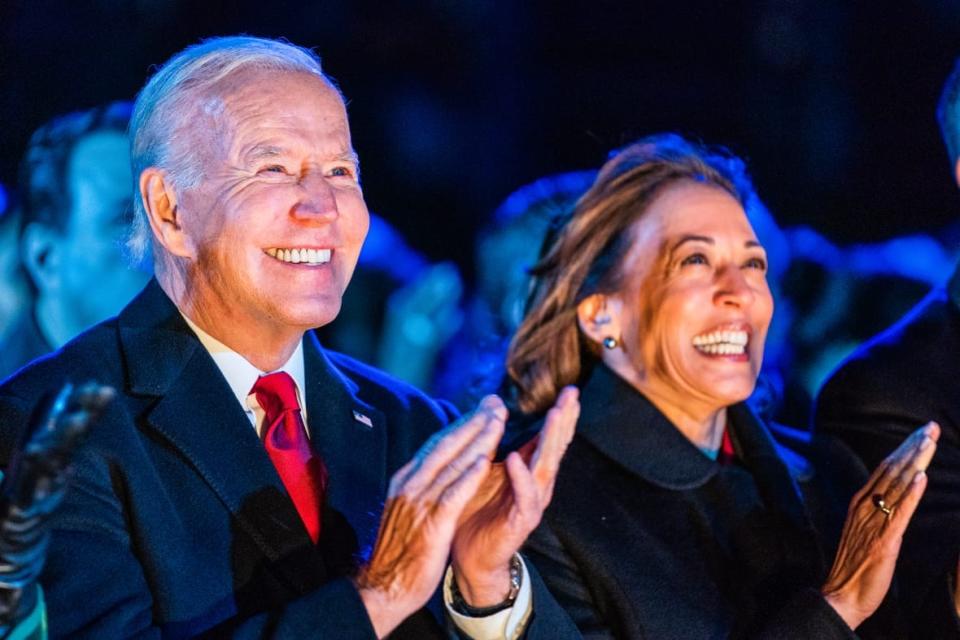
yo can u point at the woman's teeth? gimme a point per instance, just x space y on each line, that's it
301 256
721 342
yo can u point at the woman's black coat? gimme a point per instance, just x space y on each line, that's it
647 537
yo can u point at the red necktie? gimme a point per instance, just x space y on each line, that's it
302 471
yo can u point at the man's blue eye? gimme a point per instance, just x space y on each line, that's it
341 172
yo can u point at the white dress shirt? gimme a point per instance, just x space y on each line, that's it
241 376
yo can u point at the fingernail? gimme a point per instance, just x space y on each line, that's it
925 444
918 476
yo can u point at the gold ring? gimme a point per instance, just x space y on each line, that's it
880 504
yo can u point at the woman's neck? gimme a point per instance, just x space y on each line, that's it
701 423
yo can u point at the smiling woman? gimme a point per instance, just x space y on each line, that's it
676 513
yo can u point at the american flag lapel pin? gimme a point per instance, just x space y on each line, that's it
363 419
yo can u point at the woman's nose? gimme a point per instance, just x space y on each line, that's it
733 288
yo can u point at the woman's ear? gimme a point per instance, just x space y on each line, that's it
160 202
599 319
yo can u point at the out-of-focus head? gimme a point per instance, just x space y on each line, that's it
660 256
248 180
75 187
508 247
14 290
948 116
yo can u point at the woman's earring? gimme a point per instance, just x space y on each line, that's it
610 342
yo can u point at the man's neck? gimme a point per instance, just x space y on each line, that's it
265 347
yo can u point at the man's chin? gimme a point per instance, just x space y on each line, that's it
307 316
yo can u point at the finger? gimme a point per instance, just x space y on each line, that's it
554 439
94 397
902 460
919 461
455 496
526 494
445 445
904 511
484 445
896 462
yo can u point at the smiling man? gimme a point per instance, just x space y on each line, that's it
246 482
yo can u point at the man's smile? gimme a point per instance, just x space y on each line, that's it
300 255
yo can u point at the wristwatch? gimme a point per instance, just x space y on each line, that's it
516 579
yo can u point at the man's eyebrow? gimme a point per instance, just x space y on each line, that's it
348 156
261 151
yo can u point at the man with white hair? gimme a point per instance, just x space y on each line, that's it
235 485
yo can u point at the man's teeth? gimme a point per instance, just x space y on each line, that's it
721 342
301 256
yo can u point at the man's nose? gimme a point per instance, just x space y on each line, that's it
733 288
318 198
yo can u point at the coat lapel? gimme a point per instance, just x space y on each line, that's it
351 436
197 414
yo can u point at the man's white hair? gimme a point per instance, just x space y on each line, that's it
168 105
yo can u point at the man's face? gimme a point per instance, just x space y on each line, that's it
94 281
276 224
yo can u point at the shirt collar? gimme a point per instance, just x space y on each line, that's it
240 374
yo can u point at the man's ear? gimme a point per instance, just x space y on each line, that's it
41 255
160 202
599 317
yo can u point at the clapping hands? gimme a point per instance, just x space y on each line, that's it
452 496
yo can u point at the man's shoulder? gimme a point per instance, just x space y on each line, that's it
901 356
386 392
897 380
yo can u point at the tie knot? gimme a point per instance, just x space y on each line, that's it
276 393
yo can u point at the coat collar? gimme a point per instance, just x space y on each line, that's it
626 427
196 412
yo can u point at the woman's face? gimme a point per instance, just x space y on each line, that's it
695 306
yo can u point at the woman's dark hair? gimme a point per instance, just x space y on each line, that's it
583 254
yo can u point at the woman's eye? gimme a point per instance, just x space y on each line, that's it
696 258
756 263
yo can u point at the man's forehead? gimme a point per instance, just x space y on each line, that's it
254 113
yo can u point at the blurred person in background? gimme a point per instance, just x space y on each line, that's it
400 310
75 185
472 363
906 373
14 290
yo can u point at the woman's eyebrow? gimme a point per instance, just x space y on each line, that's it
691 238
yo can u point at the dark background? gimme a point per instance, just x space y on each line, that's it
455 104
